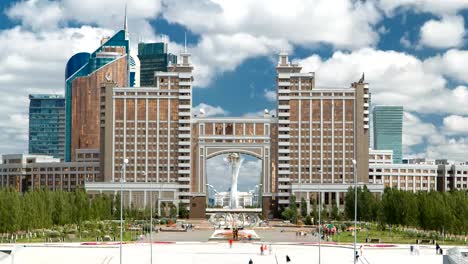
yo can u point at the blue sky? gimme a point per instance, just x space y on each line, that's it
412 51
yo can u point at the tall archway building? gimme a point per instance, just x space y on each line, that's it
306 150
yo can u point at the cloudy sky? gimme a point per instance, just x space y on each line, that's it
412 51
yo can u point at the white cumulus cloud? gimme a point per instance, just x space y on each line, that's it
341 23
395 78
446 33
431 6
456 124
209 110
270 95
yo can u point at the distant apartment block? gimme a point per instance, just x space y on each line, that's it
24 172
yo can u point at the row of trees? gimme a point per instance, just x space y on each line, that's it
439 211
45 209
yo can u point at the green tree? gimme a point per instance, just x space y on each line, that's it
183 212
303 207
335 213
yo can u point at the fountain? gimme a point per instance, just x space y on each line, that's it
233 220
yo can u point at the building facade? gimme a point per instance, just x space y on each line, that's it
307 151
388 129
320 132
82 90
24 172
223 199
154 57
47 125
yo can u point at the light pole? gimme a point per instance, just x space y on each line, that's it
122 180
319 214
355 208
151 219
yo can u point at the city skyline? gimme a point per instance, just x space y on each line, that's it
429 82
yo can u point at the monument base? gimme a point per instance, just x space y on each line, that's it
243 234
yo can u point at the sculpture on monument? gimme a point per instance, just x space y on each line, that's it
234 161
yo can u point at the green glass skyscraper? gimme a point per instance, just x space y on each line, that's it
47 125
388 129
153 57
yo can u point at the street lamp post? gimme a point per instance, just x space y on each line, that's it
355 209
151 219
259 201
122 180
319 214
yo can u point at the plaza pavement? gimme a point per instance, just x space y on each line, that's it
180 247
210 252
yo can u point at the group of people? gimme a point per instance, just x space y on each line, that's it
439 250
264 248
414 250
187 226
301 233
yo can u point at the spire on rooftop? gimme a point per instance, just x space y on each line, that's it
126 22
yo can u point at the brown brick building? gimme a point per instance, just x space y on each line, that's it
306 150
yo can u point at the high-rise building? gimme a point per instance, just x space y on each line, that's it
149 126
47 125
134 76
82 93
153 58
320 132
388 129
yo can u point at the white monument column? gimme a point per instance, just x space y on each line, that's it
234 161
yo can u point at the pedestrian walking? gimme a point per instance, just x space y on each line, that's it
270 249
250 261
288 259
357 256
360 251
261 249
230 243
411 249
437 248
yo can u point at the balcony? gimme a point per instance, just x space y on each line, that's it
185 97
185 83
183 150
185 106
183 179
184 143
283 107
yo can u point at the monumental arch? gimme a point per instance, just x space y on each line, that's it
213 136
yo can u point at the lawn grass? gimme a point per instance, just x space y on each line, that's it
386 237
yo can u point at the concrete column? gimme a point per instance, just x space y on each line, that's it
337 199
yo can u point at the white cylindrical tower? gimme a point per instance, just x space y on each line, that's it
234 162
